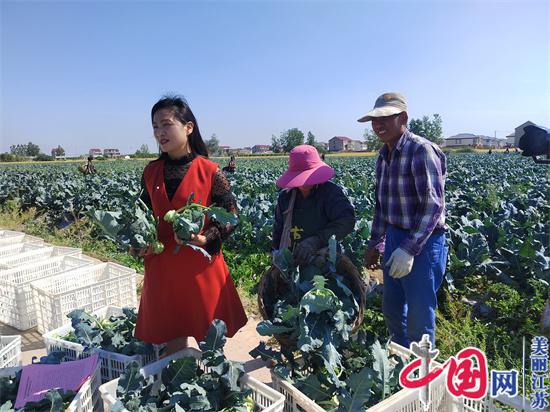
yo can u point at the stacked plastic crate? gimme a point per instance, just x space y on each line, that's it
41 283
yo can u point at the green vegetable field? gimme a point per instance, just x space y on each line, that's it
498 213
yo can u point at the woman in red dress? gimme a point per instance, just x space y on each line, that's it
183 292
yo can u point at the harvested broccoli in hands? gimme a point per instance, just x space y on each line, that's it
190 219
134 227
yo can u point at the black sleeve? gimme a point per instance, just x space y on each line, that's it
340 214
339 228
222 196
277 225
144 194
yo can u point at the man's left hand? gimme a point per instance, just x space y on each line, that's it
306 249
400 263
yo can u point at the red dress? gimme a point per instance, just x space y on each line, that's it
183 293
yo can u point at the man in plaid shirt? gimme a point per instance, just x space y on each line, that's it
409 222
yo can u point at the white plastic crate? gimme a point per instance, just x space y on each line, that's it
267 399
8 232
112 364
13 249
86 399
10 351
10 237
31 252
405 400
90 288
16 301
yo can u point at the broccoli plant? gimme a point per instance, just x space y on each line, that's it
115 334
332 366
187 387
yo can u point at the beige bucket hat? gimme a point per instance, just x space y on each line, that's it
386 105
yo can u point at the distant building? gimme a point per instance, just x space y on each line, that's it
261 148
243 151
324 145
111 152
462 140
343 143
512 140
492 142
225 150
338 143
95 152
474 140
356 146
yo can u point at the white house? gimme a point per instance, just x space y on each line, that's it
111 152
492 142
357 146
224 150
95 152
338 143
462 139
261 148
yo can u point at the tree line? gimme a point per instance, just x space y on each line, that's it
428 127
20 152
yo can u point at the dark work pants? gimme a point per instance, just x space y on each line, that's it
409 303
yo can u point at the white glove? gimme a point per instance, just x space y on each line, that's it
400 263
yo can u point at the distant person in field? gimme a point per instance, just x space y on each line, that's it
183 292
89 167
232 165
310 208
409 221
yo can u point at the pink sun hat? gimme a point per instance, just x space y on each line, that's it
305 168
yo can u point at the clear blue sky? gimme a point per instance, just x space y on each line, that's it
85 73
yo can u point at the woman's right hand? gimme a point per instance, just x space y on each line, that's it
144 251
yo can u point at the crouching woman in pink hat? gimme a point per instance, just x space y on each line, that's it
310 209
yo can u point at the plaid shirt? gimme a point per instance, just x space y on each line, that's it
410 186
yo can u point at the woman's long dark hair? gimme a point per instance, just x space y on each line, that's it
183 113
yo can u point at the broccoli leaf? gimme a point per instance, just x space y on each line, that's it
179 371
382 366
222 216
360 385
215 337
